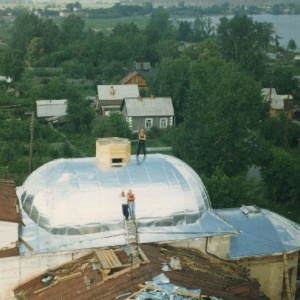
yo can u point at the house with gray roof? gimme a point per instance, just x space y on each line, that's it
148 112
51 108
110 97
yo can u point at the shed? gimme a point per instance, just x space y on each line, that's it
51 108
148 112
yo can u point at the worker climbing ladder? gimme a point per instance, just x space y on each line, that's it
132 239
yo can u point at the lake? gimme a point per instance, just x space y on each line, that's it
285 26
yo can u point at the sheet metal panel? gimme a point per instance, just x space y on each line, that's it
70 202
260 234
149 107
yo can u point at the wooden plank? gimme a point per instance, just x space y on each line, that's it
101 259
113 259
143 256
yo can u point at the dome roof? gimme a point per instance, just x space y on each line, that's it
75 196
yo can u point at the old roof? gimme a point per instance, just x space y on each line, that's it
261 232
51 108
129 76
72 204
9 210
80 279
152 106
117 91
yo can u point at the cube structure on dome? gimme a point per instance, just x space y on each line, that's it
113 150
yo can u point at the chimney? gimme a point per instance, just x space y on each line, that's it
152 97
112 152
112 90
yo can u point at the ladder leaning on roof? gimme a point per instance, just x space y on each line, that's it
132 238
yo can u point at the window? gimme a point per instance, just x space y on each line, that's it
163 123
148 123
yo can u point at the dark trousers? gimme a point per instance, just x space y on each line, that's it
141 145
125 211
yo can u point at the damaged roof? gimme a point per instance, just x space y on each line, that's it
9 211
81 279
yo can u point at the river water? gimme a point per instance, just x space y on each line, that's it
285 26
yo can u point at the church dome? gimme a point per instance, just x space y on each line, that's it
75 196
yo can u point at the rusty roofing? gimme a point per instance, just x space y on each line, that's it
80 280
9 211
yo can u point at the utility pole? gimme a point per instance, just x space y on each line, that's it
287 112
31 140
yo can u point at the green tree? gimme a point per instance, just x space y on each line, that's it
220 114
292 46
113 126
281 177
227 191
27 26
35 51
159 27
12 63
172 80
50 36
72 29
240 34
79 113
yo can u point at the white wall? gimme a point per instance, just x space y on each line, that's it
17 270
8 234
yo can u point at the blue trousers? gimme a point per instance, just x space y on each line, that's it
132 209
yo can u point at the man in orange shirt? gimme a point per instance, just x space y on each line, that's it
131 204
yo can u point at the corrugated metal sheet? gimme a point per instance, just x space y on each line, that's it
72 204
155 106
117 92
261 232
51 108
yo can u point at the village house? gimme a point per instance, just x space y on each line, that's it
74 242
148 112
278 103
135 78
110 97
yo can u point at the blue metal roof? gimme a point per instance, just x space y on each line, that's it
261 232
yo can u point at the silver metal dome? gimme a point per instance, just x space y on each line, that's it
76 197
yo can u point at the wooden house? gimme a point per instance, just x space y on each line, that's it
135 78
148 112
278 103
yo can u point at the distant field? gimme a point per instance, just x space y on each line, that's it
106 25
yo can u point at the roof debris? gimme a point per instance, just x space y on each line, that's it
201 276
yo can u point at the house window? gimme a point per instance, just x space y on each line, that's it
148 123
163 123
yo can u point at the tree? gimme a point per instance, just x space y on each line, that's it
12 63
72 29
292 46
159 27
219 118
35 51
240 34
27 26
281 177
114 125
172 80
